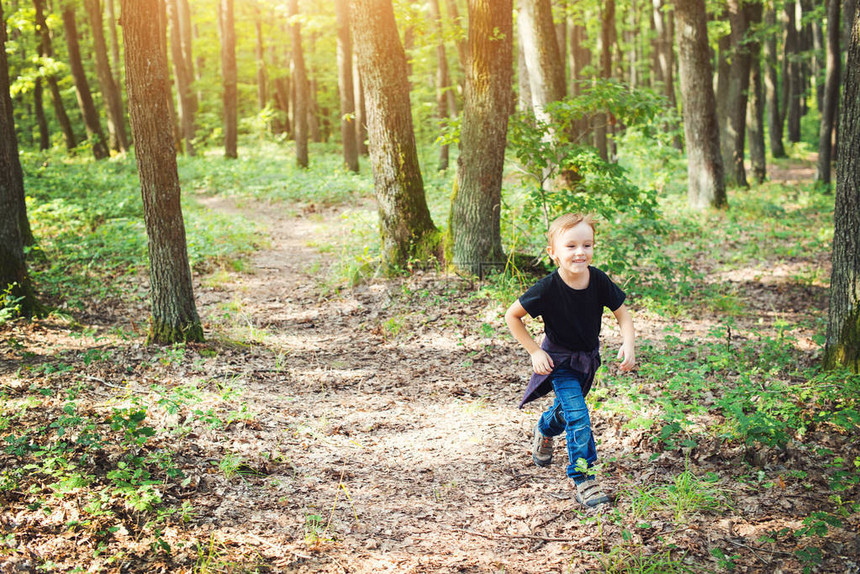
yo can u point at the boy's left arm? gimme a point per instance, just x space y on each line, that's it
627 352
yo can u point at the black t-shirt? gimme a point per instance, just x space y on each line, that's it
572 316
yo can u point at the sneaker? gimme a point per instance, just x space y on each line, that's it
541 448
589 493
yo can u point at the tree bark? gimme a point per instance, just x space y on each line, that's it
182 78
39 111
701 129
301 87
174 313
109 89
46 49
230 79
540 52
771 84
406 228
842 348
346 87
734 101
82 87
830 97
474 225
755 109
443 81
14 279
793 80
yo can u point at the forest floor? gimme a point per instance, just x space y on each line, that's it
375 429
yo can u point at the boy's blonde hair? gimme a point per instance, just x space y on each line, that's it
568 221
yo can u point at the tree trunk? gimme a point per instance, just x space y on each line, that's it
561 36
15 232
842 348
360 109
46 49
406 228
13 268
755 109
524 92
162 38
540 51
474 225
109 89
174 313
262 77
733 103
230 78
664 53
830 97
793 79
771 84
346 87
580 57
82 87
459 34
607 36
443 82
114 44
182 78
301 87
41 120
701 129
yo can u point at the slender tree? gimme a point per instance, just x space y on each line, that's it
540 51
114 42
346 86
39 112
405 225
46 50
229 79
771 83
843 327
360 109
830 97
756 104
182 78
793 84
174 313
704 163
444 92
600 121
301 87
474 224
14 280
109 89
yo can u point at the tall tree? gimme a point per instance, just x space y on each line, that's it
771 83
229 78
46 50
114 42
701 129
793 77
756 104
360 109
182 78
540 51
444 93
405 224
600 121
260 53
109 89
82 86
301 87
474 225
39 112
346 86
732 104
843 327
13 268
830 97
174 313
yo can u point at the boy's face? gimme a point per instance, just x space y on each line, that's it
573 249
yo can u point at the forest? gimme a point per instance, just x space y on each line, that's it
255 259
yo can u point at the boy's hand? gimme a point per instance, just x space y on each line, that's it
627 356
542 362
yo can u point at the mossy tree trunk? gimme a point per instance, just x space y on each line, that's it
405 225
174 314
474 226
843 328
701 129
13 268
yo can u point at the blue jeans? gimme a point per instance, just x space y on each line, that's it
569 415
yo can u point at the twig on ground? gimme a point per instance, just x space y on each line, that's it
494 536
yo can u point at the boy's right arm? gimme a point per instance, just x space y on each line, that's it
541 361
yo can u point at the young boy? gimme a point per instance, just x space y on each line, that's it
571 302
